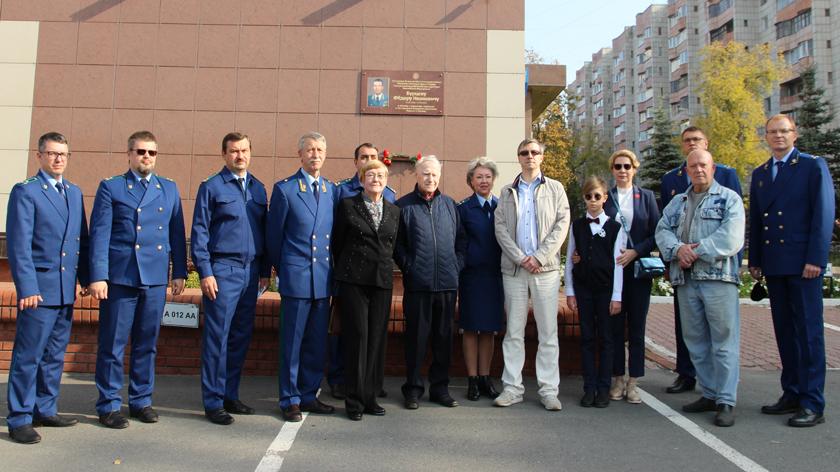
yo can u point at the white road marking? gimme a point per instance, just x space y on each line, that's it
832 327
741 461
649 342
273 458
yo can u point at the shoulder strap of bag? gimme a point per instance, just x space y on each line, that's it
623 221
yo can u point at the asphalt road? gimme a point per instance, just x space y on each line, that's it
474 436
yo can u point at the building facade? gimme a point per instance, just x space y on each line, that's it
800 31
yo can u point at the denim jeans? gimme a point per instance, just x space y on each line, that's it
710 317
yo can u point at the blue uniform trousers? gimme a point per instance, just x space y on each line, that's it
37 363
228 326
684 366
134 312
797 307
303 334
595 333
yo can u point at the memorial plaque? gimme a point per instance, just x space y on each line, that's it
385 92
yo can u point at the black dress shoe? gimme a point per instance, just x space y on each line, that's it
25 434
219 416
114 420
444 399
682 384
701 405
411 403
375 410
292 414
317 407
146 414
354 415
337 391
237 407
602 399
725 415
382 393
486 387
805 418
784 406
56 421
587 400
472 388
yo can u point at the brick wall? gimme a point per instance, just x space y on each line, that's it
179 349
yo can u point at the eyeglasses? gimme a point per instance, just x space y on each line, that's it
594 197
622 166
780 132
695 139
56 154
142 152
525 153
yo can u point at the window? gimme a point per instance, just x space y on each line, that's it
828 44
765 23
619 129
828 12
720 7
680 60
792 88
783 3
643 135
620 111
679 84
830 78
746 23
720 33
803 49
793 25
677 39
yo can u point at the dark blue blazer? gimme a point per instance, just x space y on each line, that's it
298 237
47 241
791 218
645 219
134 234
352 186
476 244
229 226
675 182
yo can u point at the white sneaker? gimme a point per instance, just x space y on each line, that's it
632 393
551 403
617 388
507 398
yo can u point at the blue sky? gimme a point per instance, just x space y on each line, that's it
570 31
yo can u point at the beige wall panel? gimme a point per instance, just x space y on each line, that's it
506 95
14 127
505 51
19 40
17 83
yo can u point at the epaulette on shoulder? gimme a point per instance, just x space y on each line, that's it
165 178
672 171
328 181
112 177
342 182
803 155
463 201
210 176
28 181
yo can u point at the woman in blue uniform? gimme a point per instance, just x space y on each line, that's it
480 292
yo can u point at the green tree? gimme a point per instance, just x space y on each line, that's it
588 156
551 129
733 83
665 153
816 135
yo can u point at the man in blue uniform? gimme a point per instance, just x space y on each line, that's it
351 187
675 182
228 244
300 221
136 229
47 239
791 213
379 97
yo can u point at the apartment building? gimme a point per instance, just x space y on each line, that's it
801 31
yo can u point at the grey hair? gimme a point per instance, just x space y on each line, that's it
311 136
528 141
482 161
431 158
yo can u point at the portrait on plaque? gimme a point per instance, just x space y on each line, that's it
377 92
388 92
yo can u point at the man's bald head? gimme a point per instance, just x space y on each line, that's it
700 166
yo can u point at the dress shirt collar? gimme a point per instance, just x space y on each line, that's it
784 158
51 180
481 199
148 178
309 179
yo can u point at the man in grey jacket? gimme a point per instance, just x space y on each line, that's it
700 234
532 221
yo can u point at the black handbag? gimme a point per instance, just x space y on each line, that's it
644 267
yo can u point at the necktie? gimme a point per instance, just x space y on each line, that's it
487 209
144 183
778 165
593 220
60 189
316 192
241 181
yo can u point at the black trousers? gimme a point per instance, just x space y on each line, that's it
364 330
635 302
595 333
428 319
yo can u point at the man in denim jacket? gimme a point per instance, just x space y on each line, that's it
700 234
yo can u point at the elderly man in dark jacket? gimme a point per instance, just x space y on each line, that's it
425 253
